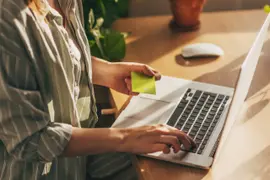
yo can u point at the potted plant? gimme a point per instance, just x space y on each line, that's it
99 15
186 14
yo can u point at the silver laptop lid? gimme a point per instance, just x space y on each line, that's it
245 77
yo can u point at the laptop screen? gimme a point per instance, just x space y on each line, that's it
245 78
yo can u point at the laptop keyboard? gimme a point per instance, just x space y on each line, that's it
197 114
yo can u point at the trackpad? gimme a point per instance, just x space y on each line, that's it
144 111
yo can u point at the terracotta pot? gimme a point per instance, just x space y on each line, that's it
186 13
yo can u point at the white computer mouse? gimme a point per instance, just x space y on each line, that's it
201 50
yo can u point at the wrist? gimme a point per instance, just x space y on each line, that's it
119 139
100 71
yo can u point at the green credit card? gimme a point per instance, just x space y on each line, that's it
143 84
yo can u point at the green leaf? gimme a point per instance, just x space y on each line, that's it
102 7
114 45
94 49
122 8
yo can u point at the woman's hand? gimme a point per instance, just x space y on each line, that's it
149 139
119 75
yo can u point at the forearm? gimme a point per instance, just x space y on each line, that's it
86 141
100 71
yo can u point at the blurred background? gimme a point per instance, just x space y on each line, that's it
161 7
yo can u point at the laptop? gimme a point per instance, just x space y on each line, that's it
201 110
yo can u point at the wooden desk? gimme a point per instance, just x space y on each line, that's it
246 154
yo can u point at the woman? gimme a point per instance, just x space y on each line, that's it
47 106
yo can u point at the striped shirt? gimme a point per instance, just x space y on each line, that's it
45 89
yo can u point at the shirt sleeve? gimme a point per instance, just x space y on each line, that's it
25 126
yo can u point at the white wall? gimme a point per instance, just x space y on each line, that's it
159 7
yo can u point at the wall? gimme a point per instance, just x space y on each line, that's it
160 7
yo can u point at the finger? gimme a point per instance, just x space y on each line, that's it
145 69
172 141
166 150
133 94
192 142
185 141
158 147
148 71
128 84
129 87
157 74
142 68
168 130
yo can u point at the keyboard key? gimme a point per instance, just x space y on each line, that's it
215 106
197 125
204 96
212 113
193 114
214 109
220 97
215 120
202 147
194 150
192 134
211 129
184 116
173 119
187 126
196 128
204 128
183 101
207 106
187 111
200 118
192 119
178 127
203 114
193 131
181 105
199 137
197 94
208 120
205 109
206 124
192 103
201 133
203 99
204 143
180 123
200 103
221 108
